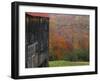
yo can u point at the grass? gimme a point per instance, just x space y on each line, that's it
66 63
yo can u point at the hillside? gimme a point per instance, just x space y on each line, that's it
68 33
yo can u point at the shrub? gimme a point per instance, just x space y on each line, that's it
52 55
77 55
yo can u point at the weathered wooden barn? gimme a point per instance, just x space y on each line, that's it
36 40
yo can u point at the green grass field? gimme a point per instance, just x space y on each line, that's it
66 63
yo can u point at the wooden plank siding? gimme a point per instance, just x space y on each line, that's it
36 41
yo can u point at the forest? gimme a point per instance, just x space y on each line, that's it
68 40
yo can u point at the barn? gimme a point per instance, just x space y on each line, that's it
36 39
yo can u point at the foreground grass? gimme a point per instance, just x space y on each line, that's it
66 63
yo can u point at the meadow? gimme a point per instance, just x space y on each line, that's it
59 63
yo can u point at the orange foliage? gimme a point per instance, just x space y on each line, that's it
57 43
